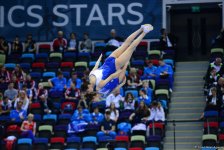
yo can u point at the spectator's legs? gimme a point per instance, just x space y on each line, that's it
126 43
126 55
100 134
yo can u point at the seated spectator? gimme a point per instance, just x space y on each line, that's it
86 44
41 92
148 90
212 101
30 44
30 83
5 106
80 116
46 105
114 40
167 41
4 75
74 78
211 80
82 102
114 113
22 97
28 127
72 93
149 71
217 65
11 93
15 82
107 127
58 83
97 117
141 113
115 98
20 75
60 43
73 43
144 97
133 79
165 71
19 114
156 112
3 46
129 102
29 93
17 47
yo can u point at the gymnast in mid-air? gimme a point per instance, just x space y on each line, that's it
111 75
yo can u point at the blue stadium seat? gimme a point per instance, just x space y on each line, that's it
27 58
41 57
48 75
26 67
10 66
134 92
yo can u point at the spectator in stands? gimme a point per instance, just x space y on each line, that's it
115 98
20 75
11 92
156 112
80 116
140 114
41 92
28 127
30 83
5 106
72 93
60 43
165 71
217 64
4 75
97 117
148 90
47 106
167 41
29 92
129 102
212 101
58 83
149 71
22 97
114 113
107 127
133 79
144 97
82 102
86 44
15 82
3 46
114 40
30 44
73 43
19 114
17 47
74 78
211 80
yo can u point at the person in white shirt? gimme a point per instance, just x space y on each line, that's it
157 112
115 98
114 113
22 97
129 102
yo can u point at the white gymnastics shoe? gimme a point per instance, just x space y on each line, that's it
147 28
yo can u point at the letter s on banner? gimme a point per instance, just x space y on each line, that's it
135 13
32 14
11 22
59 14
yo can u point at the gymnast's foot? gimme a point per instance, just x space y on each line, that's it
147 28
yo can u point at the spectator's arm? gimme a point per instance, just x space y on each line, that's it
113 128
34 129
102 129
97 63
131 116
22 127
50 83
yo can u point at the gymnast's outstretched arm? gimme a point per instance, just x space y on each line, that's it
111 77
97 63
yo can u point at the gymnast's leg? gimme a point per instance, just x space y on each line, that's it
126 43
